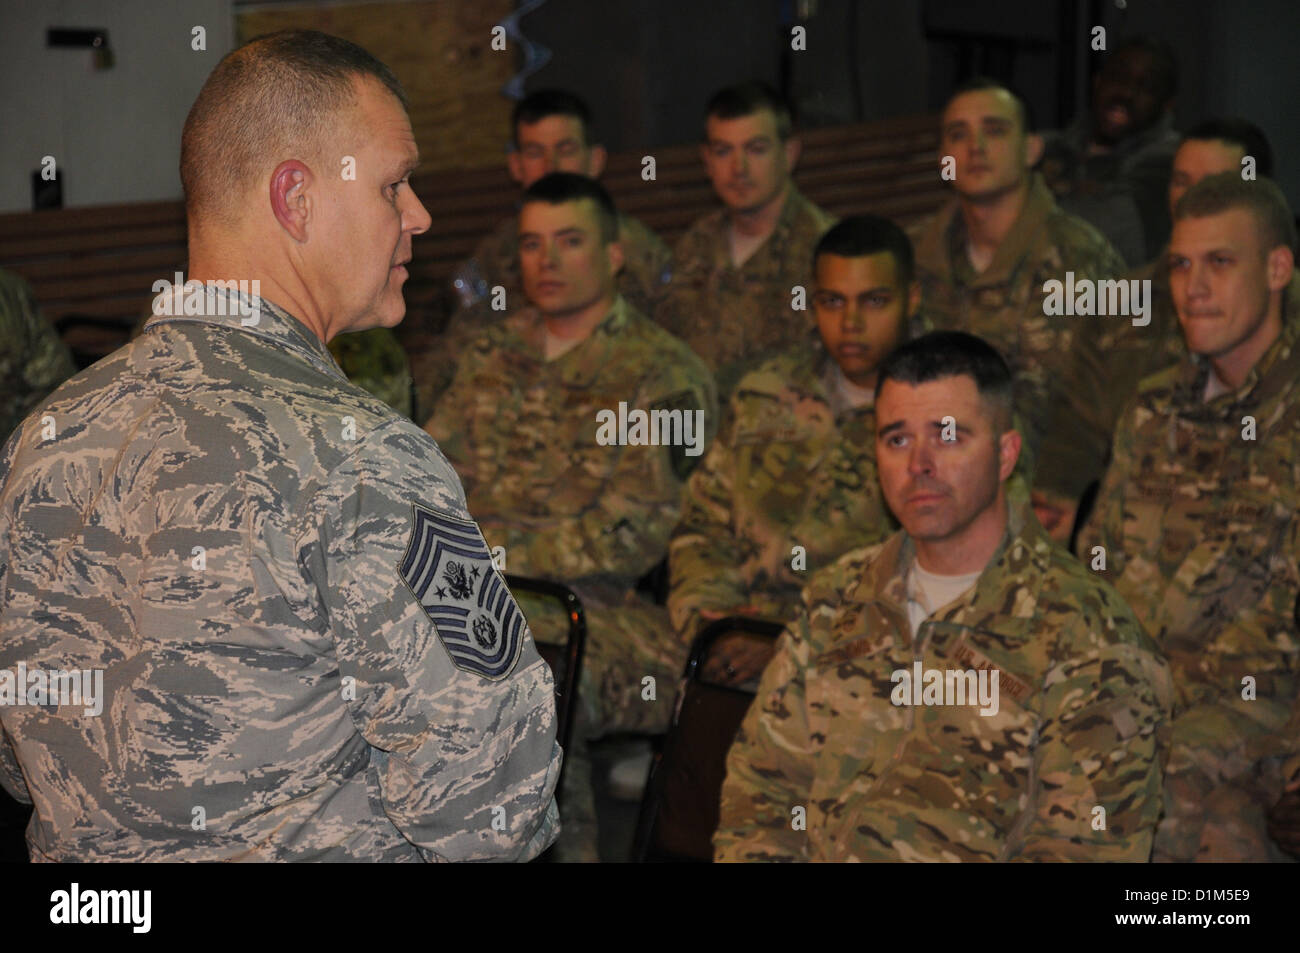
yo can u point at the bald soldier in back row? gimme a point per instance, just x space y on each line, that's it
247 553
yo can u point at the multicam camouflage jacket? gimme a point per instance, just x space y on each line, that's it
33 361
785 471
646 265
733 317
541 471
253 553
1051 357
827 767
1197 520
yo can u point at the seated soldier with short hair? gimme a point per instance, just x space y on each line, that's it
965 690
551 131
1196 521
733 272
790 482
541 423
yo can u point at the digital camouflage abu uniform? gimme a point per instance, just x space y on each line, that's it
1083 699
1201 536
373 359
495 262
733 317
33 361
254 552
789 468
1004 306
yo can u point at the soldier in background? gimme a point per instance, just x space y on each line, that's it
1111 166
1196 520
833 762
33 361
733 272
1129 352
251 552
551 132
562 494
790 482
983 261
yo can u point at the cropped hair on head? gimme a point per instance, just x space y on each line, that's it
279 96
976 84
551 102
1246 136
745 99
942 354
558 188
861 235
1226 191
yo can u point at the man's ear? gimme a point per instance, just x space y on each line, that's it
616 259
704 156
793 149
913 298
1034 146
515 162
291 194
1008 452
597 161
1280 266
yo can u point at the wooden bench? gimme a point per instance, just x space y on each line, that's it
93 269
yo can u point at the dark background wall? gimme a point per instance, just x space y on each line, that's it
646 65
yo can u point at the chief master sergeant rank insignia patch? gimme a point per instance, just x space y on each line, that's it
449 570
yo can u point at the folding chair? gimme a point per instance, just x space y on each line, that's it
679 811
565 660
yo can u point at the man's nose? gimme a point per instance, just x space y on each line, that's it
855 317
1197 280
921 460
415 217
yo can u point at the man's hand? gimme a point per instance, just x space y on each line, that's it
736 658
1284 820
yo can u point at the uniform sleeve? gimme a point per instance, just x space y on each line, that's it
469 761
704 555
1105 525
623 529
11 776
1076 427
680 298
769 767
1099 756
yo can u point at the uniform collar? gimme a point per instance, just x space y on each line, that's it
948 237
1025 552
249 314
530 328
791 209
1277 369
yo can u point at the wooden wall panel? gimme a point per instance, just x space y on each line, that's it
441 53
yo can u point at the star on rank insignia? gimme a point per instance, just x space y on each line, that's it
449 569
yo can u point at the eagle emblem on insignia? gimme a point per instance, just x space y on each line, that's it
448 568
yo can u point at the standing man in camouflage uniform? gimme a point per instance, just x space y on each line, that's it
1196 520
563 495
983 262
1056 759
33 361
249 553
790 482
552 132
733 272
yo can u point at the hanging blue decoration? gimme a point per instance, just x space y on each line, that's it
535 55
